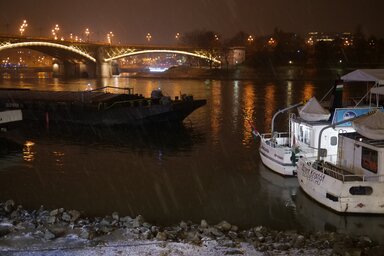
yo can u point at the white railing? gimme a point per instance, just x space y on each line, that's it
343 175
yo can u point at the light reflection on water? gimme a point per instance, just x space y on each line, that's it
208 168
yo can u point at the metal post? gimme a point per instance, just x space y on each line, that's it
281 111
333 126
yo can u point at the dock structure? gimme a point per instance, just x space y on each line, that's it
97 107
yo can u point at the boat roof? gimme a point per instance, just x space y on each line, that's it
378 90
358 137
365 75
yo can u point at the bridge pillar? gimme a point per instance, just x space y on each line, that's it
103 68
58 69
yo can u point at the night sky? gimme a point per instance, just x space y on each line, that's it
131 20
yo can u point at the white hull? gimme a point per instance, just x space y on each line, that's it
277 156
313 216
342 193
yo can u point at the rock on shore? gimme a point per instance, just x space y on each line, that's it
59 230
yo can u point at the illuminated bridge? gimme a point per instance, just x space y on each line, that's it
95 59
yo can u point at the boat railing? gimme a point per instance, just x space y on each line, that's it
276 139
131 103
128 89
343 175
274 135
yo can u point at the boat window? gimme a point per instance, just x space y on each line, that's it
369 159
306 137
333 140
301 134
361 190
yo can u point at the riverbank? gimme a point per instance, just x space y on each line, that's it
67 232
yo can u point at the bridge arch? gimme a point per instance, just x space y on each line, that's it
132 53
71 49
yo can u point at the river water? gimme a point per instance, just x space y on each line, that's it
208 168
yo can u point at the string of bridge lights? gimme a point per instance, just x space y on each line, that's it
55 33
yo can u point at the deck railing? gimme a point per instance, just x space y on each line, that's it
343 175
275 135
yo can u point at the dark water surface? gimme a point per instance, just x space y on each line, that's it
206 168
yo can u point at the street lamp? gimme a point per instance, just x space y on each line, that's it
55 31
149 37
109 37
250 39
22 27
87 34
272 42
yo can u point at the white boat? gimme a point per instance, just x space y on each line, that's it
314 217
280 151
355 183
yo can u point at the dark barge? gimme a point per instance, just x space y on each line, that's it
98 107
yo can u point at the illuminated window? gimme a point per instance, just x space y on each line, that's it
369 159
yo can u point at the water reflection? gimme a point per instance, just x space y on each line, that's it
280 192
308 91
28 151
10 154
235 103
270 105
84 167
9 147
289 93
249 101
216 111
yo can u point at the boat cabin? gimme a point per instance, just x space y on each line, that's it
361 155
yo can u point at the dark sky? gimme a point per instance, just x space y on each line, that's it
131 20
